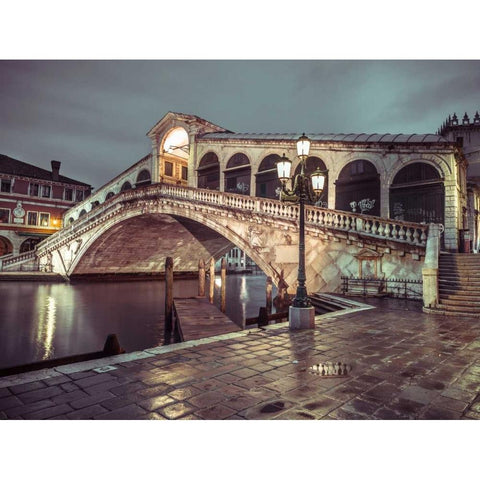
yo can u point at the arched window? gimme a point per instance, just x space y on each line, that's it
237 174
417 194
82 213
358 188
29 244
209 172
6 246
109 195
311 165
71 220
126 186
143 179
267 184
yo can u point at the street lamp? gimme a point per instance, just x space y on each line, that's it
305 188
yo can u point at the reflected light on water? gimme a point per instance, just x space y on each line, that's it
46 327
243 296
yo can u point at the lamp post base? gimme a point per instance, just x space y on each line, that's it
301 318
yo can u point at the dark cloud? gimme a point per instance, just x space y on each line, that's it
93 115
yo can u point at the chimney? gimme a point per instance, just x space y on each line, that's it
55 170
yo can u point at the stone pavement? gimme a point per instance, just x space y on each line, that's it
401 364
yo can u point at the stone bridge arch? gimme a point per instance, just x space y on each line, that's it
266 229
82 252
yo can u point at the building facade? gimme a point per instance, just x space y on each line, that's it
32 203
416 178
466 134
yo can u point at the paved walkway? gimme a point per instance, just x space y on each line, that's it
399 362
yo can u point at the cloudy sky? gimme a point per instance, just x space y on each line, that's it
93 115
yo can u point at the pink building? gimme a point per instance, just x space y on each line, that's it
32 203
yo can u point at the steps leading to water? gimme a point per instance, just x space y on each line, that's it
459 283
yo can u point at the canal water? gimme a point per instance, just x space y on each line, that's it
41 321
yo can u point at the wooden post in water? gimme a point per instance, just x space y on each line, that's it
168 298
223 277
201 278
268 288
212 280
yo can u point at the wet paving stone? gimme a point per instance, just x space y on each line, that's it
403 369
176 410
217 412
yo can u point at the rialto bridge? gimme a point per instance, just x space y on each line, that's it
203 189
134 231
413 178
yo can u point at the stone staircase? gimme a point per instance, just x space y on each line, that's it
459 283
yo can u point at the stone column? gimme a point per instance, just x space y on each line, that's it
430 267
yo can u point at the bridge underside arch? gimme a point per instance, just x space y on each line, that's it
141 244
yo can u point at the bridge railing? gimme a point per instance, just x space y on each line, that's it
17 260
406 232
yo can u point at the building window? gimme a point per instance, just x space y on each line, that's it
32 218
46 189
44 219
6 186
34 189
4 215
169 169
68 194
184 173
79 195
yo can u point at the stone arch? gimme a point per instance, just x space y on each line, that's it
417 194
125 186
143 178
82 213
237 174
358 188
29 244
142 207
439 163
6 246
267 184
208 171
109 195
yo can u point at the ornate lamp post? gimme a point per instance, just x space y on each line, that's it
305 188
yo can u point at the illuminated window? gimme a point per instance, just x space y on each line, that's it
176 143
44 219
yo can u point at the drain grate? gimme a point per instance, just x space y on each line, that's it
330 369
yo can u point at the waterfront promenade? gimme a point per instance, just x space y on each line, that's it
397 363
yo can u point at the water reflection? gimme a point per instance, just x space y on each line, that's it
43 321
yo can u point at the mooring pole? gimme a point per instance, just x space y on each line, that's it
168 298
201 278
212 280
223 277
268 291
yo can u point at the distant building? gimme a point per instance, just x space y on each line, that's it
466 134
32 203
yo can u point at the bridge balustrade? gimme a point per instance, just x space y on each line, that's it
406 232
